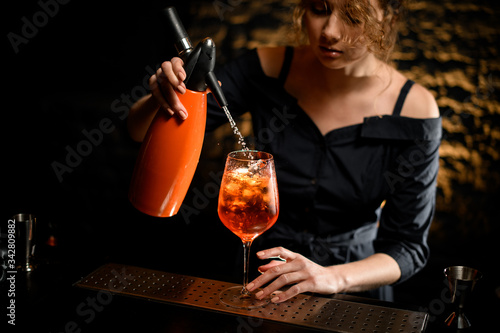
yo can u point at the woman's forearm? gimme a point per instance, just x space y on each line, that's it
304 275
372 272
140 116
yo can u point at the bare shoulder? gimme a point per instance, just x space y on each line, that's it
271 60
420 103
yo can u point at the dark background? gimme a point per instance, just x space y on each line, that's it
88 60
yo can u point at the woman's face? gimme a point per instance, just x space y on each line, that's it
334 42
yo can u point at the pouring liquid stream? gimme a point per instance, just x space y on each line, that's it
235 129
254 167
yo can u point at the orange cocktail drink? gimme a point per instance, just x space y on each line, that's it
248 206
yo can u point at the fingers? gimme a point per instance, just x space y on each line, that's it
292 269
175 74
265 268
277 252
166 82
278 297
280 275
279 270
177 66
155 89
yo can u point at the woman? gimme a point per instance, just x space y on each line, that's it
355 143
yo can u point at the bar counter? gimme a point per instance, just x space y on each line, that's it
117 297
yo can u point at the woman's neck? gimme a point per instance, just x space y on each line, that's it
355 75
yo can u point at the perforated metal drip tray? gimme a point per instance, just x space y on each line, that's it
314 312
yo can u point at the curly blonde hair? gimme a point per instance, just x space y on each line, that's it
379 35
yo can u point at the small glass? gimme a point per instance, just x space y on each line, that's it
461 281
25 241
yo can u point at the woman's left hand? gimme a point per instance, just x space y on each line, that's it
298 271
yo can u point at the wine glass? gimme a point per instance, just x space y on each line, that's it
248 206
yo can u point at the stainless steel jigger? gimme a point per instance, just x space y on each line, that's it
25 241
461 280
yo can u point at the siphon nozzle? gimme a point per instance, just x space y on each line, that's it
182 42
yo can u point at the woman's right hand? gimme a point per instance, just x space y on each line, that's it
164 84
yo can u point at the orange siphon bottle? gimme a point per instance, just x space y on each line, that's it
171 149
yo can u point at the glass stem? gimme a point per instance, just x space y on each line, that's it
246 261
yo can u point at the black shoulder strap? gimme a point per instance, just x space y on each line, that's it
401 98
287 62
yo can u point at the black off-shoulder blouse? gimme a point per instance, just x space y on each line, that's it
355 191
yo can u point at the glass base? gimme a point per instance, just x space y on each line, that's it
235 298
457 320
